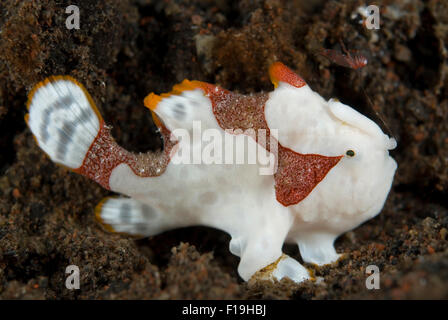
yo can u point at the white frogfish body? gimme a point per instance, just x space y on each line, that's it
286 166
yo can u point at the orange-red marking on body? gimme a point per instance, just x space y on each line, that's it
298 174
105 154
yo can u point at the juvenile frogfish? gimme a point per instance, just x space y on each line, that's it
331 166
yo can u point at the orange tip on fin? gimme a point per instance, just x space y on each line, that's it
152 100
185 85
278 72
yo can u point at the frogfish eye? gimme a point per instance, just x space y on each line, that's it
350 153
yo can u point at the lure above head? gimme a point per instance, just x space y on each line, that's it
332 167
353 60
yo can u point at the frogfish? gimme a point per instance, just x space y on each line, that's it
267 168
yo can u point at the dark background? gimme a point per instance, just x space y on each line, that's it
126 49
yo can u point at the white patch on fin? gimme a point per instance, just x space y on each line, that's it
179 111
63 120
126 215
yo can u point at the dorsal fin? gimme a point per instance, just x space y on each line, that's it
278 72
153 99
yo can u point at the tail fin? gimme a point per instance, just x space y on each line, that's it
64 119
